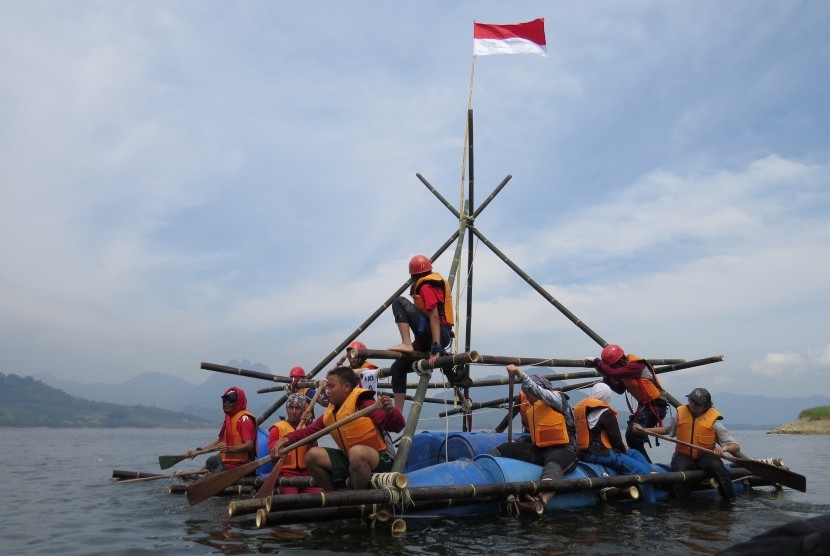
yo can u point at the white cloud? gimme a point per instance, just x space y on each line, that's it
205 185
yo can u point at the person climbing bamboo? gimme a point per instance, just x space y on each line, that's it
631 373
429 316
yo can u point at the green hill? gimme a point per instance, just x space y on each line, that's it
26 402
821 413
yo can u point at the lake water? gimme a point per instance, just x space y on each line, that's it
59 499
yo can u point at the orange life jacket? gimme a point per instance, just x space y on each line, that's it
583 431
644 388
295 459
547 426
233 438
524 405
698 431
361 431
445 310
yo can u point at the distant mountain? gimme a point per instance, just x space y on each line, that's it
26 402
174 394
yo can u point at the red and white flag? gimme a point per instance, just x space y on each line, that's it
520 38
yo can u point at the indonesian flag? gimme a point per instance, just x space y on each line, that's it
520 38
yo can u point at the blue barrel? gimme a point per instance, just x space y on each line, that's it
512 470
470 444
458 472
507 470
262 451
424 450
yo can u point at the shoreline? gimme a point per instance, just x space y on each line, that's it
803 426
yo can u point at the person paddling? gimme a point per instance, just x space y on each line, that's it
363 446
700 424
294 464
237 437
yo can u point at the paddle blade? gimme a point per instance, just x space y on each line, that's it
773 473
211 485
166 462
267 487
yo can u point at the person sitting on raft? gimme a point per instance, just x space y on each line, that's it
363 445
294 464
600 441
366 371
552 440
237 437
699 423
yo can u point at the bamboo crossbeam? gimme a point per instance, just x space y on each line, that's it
263 518
446 361
121 474
233 490
659 370
244 372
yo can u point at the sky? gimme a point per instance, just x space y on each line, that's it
211 181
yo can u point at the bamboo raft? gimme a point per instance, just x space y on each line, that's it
451 474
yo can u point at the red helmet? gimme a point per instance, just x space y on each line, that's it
297 372
611 354
356 345
419 264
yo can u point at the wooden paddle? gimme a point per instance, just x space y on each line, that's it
166 462
267 487
157 477
773 473
203 489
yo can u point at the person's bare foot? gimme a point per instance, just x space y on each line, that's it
405 348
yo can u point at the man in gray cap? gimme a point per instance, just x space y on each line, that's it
552 441
700 424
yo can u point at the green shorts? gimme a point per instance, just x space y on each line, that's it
340 464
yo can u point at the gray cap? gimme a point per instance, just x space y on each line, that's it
700 396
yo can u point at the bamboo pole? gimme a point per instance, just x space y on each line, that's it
233 490
263 518
357 332
405 443
121 474
244 372
445 361
246 506
562 309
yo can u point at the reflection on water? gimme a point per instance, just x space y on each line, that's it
60 499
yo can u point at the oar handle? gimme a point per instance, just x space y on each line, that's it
200 451
690 445
172 475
